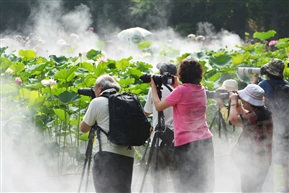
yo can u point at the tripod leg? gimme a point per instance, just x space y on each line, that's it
156 169
87 160
144 155
149 161
87 174
213 121
223 124
82 175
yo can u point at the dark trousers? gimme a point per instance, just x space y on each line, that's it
166 170
195 164
112 173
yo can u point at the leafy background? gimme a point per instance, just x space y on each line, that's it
48 86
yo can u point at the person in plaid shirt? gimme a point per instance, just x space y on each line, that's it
253 151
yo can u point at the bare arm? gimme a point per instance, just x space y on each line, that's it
147 114
160 105
84 127
235 110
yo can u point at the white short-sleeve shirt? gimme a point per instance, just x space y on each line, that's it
98 112
150 108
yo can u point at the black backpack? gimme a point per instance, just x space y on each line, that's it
128 124
279 103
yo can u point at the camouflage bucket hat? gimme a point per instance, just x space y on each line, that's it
275 67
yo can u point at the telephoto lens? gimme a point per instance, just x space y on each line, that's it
146 78
87 92
248 70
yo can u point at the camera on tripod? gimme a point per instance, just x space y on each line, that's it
221 94
251 70
166 78
87 92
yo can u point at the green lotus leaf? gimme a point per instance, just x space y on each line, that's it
93 54
58 60
17 67
66 75
135 71
264 35
123 63
61 114
36 69
220 59
239 59
88 66
282 43
2 50
67 97
125 82
111 65
4 63
27 54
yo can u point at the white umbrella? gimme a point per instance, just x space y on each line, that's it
135 34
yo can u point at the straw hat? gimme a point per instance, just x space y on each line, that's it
252 94
229 85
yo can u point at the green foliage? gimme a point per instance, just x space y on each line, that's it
49 85
264 35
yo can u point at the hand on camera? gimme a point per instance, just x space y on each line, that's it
234 96
152 83
255 79
220 103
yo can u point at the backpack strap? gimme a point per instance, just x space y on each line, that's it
99 129
107 94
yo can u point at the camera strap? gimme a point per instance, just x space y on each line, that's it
168 87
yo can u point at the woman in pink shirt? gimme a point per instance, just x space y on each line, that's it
194 151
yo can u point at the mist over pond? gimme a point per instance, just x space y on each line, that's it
26 165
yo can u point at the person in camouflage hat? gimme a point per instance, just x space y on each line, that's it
275 67
274 72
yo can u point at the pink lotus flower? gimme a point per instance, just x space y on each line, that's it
101 59
49 82
18 81
288 55
272 42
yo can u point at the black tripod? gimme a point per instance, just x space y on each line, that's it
88 156
221 123
154 145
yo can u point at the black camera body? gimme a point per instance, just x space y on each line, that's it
167 78
87 92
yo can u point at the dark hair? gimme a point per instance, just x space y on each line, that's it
190 71
271 76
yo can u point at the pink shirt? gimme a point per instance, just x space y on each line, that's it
189 104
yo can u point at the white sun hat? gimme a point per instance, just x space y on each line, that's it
252 94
